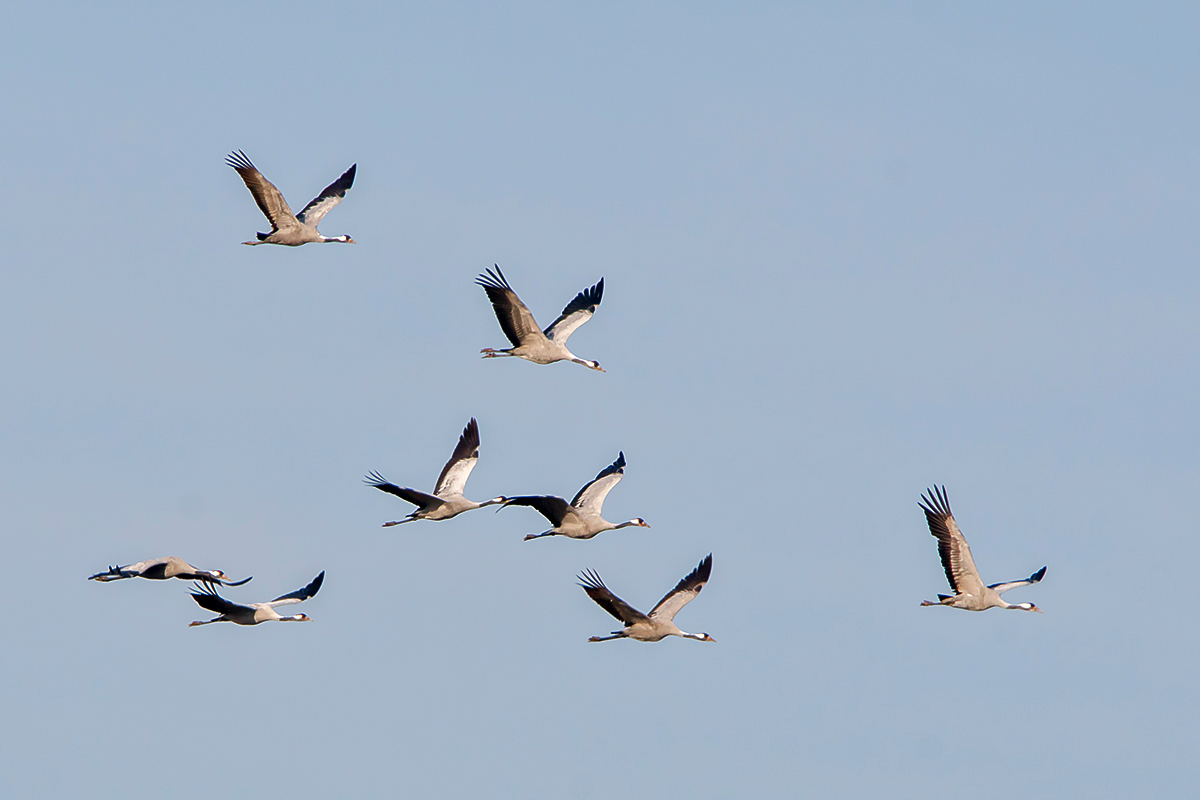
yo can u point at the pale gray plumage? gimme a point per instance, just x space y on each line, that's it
969 591
579 519
518 324
158 569
287 228
447 499
206 597
659 623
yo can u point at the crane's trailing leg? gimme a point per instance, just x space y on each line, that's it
113 574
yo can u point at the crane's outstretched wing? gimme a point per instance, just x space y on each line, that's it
300 595
329 197
410 495
516 320
206 596
1001 588
577 312
591 496
952 546
684 592
614 605
552 508
269 199
453 479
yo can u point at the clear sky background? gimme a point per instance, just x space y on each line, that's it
849 252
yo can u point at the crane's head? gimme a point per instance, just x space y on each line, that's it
703 637
345 239
641 523
1027 607
594 365
297 618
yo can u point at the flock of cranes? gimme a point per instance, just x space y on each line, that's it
579 519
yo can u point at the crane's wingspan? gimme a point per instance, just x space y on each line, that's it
684 592
577 312
552 508
614 605
453 479
591 496
516 320
330 196
206 596
952 546
269 199
1001 588
410 495
300 595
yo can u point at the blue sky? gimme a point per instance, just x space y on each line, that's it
849 252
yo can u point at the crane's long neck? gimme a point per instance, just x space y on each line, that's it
1019 606
492 502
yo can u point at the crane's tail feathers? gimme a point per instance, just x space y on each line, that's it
616 635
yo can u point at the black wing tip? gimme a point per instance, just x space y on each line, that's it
203 589
620 462
315 586
700 574
238 160
375 479
935 502
590 579
493 280
343 184
1037 576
